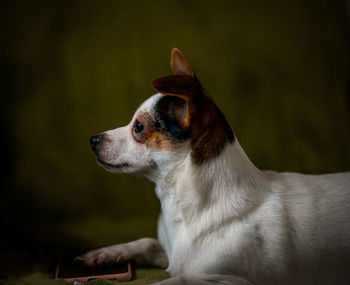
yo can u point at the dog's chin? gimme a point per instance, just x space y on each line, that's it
118 167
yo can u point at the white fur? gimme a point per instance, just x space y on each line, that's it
227 220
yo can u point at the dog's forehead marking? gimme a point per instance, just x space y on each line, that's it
149 104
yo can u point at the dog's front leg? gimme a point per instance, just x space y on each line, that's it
146 251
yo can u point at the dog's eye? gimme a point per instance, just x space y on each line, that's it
138 127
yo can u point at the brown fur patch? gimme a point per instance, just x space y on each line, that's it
212 139
159 141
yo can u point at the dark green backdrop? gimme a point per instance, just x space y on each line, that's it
70 69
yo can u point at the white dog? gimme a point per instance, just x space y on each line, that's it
223 220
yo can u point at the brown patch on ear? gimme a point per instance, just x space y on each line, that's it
179 64
216 134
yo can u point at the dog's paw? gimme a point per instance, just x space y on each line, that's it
106 255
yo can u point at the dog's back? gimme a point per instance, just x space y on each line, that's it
317 215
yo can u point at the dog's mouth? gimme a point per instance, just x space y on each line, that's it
112 166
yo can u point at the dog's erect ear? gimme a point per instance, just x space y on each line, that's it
196 114
185 85
179 64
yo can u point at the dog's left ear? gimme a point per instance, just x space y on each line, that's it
185 85
179 64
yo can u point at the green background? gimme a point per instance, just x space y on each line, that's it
277 69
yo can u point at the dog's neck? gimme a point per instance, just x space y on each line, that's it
230 180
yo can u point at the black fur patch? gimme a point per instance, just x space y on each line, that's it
169 113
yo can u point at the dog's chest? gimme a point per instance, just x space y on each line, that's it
180 251
172 231
172 219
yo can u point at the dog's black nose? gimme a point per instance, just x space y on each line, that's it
94 141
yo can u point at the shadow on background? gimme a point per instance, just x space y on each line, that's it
71 69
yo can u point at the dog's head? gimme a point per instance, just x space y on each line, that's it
180 121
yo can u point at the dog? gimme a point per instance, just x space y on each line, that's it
222 219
